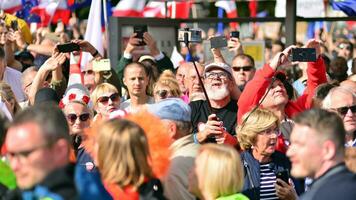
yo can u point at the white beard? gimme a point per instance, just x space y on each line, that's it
217 94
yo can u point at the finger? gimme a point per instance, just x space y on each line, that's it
212 117
220 140
282 183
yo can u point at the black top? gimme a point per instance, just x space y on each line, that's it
227 114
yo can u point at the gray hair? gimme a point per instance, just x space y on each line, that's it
327 102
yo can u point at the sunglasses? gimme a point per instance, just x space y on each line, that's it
162 93
88 72
243 68
82 117
344 46
345 109
105 99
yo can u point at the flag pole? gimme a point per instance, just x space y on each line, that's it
106 28
195 14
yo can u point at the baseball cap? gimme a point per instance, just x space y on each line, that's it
215 65
171 109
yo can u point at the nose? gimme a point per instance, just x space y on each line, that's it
349 113
15 163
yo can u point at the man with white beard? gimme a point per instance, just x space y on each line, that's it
218 124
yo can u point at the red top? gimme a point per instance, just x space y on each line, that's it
256 88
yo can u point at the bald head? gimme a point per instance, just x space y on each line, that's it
349 84
191 81
181 74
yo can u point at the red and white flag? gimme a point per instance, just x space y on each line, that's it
52 11
230 9
129 8
93 33
10 6
175 10
75 74
176 58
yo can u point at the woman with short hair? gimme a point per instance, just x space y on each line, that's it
218 174
257 136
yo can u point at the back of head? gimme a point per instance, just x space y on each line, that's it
327 126
47 116
123 153
338 69
253 123
221 169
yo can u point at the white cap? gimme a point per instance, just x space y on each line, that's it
222 66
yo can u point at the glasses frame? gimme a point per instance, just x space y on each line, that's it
343 110
105 99
83 117
243 68
24 154
217 75
269 132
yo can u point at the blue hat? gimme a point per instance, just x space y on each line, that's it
171 109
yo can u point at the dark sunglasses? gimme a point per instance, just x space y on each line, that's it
162 93
105 99
244 68
88 72
343 110
82 117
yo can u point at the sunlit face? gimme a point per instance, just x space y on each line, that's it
3 33
217 84
136 80
192 80
243 71
30 156
107 103
344 50
181 73
265 143
305 152
89 77
277 96
78 117
161 92
342 99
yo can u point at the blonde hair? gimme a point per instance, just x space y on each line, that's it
168 79
123 153
222 171
101 89
258 121
7 94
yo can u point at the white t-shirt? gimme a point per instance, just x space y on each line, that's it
13 78
126 105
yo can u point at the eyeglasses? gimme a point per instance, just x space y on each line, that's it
212 75
269 132
162 93
22 155
243 68
82 117
343 110
105 99
88 72
344 46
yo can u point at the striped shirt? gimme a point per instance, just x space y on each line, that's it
268 179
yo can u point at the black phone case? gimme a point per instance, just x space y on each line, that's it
284 175
304 54
140 30
68 47
218 42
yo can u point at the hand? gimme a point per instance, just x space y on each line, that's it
132 44
285 190
235 45
216 52
281 58
10 37
85 46
212 128
313 43
151 44
52 63
20 41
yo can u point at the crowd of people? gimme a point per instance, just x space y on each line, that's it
207 129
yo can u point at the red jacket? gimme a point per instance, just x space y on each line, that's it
256 88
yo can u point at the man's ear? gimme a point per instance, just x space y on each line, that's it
329 150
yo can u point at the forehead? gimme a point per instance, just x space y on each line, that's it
302 133
192 72
26 134
75 107
342 98
241 61
183 69
135 70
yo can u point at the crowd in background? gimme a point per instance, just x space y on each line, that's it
147 130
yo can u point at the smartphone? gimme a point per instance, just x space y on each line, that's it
140 30
14 25
101 65
304 54
68 47
283 175
235 34
218 42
